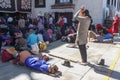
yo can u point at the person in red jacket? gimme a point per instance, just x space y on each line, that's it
115 24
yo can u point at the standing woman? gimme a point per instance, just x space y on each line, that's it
82 16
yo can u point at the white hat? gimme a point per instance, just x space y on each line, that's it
10 19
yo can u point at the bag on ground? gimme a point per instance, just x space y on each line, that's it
42 46
6 56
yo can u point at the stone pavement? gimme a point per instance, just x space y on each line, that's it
96 51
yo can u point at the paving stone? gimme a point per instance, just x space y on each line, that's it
96 51
93 75
116 72
70 76
79 69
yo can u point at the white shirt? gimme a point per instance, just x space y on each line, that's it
40 37
65 20
50 20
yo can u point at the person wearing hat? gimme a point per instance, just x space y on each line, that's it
82 16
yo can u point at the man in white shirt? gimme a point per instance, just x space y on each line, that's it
65 24
51 20
65 20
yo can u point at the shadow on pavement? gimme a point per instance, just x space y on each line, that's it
54 45
105 71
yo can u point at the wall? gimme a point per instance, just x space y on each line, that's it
36 11
94 6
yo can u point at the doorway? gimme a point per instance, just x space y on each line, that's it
68 15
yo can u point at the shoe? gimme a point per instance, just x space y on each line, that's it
102 62
83 63
66 63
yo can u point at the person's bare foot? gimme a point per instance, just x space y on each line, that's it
83 63
53 69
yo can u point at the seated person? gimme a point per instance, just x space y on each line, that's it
39 64
70 38
32 38
106 34
46 37
115 25
71 30
40 36
20 42
103 34
32 41
99 28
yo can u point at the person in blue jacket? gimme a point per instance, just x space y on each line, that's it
32 38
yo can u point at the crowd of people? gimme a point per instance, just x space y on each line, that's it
102 33
26 34
33 31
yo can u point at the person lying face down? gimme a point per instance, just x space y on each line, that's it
30 61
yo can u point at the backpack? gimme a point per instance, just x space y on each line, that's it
6 56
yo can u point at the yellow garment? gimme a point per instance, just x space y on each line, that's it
42 46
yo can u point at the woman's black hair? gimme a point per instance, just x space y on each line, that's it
86 13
